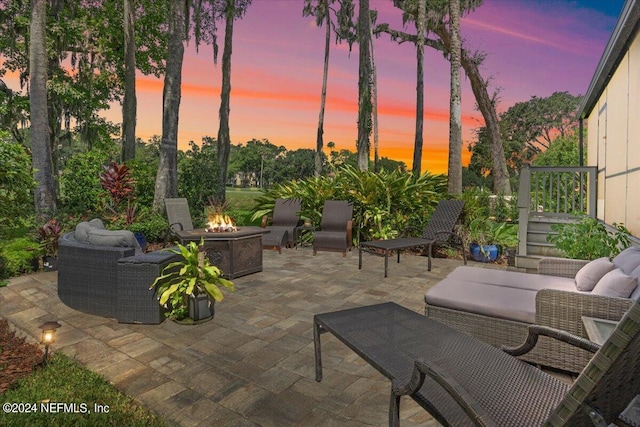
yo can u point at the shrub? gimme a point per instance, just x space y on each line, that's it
80 182
16 184
20 255
589 239
384 203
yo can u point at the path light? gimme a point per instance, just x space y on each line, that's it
48 337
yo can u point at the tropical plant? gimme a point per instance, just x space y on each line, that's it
589 239
383 204
485 231
50 232
117 181
192 276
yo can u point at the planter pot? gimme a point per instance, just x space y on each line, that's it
489 253
201 307
50 263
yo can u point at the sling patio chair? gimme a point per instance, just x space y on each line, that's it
462 381
178 216
286 217
335 232
439 230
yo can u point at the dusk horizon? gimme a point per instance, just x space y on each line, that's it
534 48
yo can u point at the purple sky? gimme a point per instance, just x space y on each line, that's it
533 48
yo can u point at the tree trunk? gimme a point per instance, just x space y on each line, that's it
44 194
129 101
418 142
364 87
487 108
374 96
167 176
455 125
323 97
224 138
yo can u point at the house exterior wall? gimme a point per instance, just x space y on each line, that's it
613 144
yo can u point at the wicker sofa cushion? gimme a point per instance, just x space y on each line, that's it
589 275
616 284
512 279
496 301
123 238
628 259
82 229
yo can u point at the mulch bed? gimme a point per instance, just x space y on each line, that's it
17 357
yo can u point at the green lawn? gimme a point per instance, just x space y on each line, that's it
66 394
241 201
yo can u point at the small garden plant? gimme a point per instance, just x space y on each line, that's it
589 239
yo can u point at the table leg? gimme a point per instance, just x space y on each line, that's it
317 330
360 258
386 262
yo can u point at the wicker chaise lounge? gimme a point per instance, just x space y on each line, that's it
498 306
440 230
462 381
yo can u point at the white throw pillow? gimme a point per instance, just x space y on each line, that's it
589 275
616 284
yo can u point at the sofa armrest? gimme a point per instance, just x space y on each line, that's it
564 310
563 267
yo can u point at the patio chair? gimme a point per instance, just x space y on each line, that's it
462 381
178 216
439 230
335 228
286 217
490 391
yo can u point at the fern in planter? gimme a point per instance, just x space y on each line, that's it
190 277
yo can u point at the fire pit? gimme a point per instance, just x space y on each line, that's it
237 251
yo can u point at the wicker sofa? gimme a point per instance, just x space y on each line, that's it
497 306
110 281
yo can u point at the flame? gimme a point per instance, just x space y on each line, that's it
220 223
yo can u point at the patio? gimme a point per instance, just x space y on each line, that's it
253 365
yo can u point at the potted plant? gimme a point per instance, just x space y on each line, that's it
189 288
50 232
487 238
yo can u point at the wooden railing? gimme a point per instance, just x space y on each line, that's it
554 192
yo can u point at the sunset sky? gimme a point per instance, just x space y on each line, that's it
533 48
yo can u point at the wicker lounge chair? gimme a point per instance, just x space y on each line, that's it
286 217
335 228
463 381
440 230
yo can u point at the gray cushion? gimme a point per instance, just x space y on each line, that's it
116 238
512 279
616 284
589 275
636 293
628 259
82 229
494 301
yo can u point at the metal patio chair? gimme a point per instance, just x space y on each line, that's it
286 217
178 216
335 232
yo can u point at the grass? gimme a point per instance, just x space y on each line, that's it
241 201
64 381
242 198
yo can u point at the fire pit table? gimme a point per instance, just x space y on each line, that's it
237 253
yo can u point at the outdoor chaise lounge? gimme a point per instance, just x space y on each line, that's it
286 217
178 215
335 228
462 381
439 230
497 306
